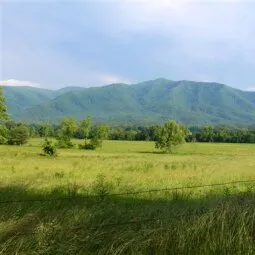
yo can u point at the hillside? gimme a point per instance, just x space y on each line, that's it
193 103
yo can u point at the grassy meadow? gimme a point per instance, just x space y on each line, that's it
207 220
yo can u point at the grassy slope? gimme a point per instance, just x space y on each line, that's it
200 221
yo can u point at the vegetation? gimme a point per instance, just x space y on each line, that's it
18 135
205 220
11 132
126 198
169 136
3 108
67 128
98 134
49 147
85 128
191 103
149 133
44 130
4 134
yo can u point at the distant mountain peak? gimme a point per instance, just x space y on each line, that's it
190 102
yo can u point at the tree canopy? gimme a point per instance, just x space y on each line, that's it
85 127
169 136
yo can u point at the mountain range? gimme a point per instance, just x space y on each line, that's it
189 102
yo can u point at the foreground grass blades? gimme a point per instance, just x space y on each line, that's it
209 220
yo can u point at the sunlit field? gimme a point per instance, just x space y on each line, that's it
85 202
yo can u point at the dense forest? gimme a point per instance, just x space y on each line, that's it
144 133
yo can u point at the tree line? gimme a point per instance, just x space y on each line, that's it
149 133
85 129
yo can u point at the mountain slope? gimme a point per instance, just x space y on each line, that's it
196 102
193 103
20 98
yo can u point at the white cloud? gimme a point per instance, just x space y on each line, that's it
110 78
13 82
250 89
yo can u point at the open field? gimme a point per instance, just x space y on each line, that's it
207 220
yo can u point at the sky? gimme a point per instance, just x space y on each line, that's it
54 44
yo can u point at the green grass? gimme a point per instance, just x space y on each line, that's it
205 220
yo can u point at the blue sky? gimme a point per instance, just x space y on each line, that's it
53 44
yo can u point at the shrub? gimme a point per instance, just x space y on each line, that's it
18 135
96 142
49 147
87 146
64 142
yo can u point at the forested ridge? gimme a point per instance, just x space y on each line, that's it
150 102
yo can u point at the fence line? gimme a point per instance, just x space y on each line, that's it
123 194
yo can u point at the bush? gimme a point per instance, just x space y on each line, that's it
87 146
18 135
49 147
4 134
64 142
96 142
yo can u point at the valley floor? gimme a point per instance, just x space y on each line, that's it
64 205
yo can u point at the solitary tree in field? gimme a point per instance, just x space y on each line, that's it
3 108
169 136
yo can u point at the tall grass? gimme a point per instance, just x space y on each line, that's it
206 220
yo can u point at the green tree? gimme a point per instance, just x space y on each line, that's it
98 134
19 135
10 124
44 130
207 134
68 126
3 108
4 134
101 131
85 127
169 136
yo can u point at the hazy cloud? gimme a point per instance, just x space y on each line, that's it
13 82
